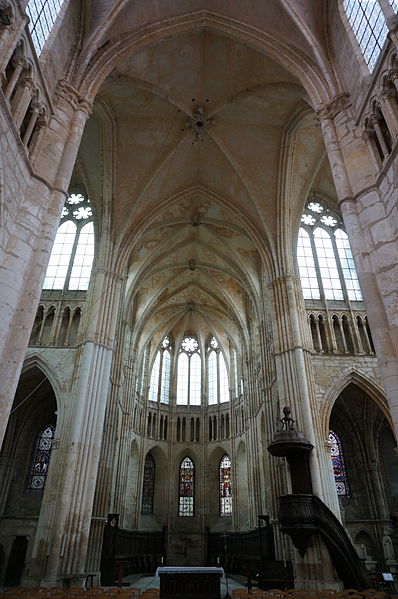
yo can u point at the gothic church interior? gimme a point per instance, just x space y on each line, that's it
199 228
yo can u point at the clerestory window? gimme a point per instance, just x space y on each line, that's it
217 376
42 15
73 250
189 373
159 387
369 27
324 256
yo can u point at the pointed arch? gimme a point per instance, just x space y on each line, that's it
361 380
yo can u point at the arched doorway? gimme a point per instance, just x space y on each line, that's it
366 474
25 458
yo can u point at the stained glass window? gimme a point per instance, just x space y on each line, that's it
369 27
225 487
324 256
148 486
72 255
189 373
394 4
40 460
339 469
186 488
42 15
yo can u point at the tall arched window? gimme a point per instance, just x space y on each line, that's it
369 26
339 469
189 373
42 15
40 459
324 256
148 486
225 486
186 489
73 250
159 387
217 376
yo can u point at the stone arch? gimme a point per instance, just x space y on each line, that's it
369 386
242 494
96 68
160 499
132 493
33 409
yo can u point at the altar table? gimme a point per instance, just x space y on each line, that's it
182 582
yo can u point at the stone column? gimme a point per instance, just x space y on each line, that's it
29 244
372 236
293 366
32 122
21 100
390 112
20 64
60 548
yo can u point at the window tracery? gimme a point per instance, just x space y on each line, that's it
369 27
324 256
72 255
159 387
40 460
338 463
225 486
217 376
186 488
189 373
42 15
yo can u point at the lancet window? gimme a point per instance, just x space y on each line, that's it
324 256
148 486
217 376
338 463
159 387
42 15
72 255
189 373
225 486
40 460
369 26
186 491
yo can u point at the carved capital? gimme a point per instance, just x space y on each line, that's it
67 92
339 103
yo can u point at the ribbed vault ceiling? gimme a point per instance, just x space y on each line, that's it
212 145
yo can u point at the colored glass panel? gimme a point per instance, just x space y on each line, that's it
148 488
339 470
225 487
186 488
41 460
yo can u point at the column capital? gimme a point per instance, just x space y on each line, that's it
336 105
70 94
